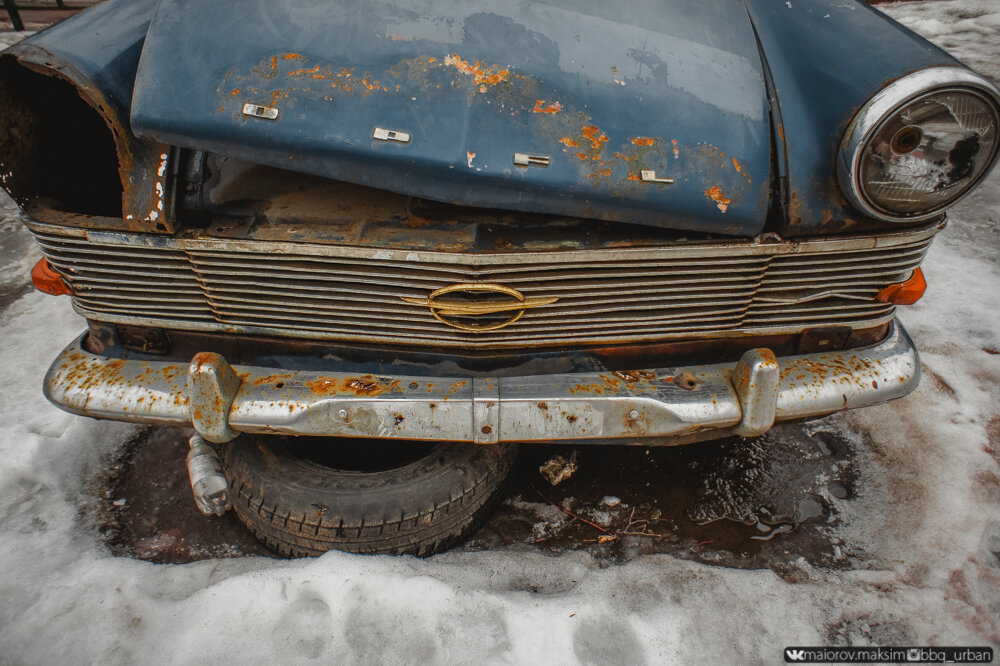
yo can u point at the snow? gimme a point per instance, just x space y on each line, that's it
18 251
921 538
967 29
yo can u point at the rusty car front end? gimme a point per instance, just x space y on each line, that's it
652 224
605 382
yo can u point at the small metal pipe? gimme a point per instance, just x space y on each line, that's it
208 482
15 17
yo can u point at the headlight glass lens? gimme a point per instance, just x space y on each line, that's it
929 152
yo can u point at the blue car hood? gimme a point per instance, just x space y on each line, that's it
604 91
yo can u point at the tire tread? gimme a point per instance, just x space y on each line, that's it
270 501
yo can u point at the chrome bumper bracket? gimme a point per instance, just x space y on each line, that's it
212 387
756 380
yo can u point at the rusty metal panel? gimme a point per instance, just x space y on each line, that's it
98 52
555 107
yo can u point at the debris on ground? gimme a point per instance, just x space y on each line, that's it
557 469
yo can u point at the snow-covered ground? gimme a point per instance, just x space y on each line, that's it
923 528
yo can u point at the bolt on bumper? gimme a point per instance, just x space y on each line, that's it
655 406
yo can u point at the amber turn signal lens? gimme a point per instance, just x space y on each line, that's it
47 280
904 293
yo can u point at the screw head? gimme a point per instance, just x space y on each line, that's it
634 414
343 414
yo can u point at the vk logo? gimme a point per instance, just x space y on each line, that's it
795 655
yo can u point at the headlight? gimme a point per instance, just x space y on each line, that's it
920 144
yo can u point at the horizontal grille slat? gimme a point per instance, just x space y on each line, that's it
443 334
699 265
124 275
149 300
856 256
886 267
234 285
563 306
141 310
330 292
282 273
110 291
582 317
720 320
158 318
792 310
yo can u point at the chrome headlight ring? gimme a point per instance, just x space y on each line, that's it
889 105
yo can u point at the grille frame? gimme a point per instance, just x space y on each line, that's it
608 296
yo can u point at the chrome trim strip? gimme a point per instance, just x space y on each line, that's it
757 247
704 333
883 104
656 406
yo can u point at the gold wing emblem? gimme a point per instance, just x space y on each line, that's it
469 301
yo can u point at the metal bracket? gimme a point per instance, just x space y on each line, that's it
258 111
756 379
382 134
524 159
649 176
212 387
15 17
486 410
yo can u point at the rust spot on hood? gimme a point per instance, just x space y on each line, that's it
596 137
300 72
715 194
482 73
741 169
541 107
643 141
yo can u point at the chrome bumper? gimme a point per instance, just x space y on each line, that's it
656 406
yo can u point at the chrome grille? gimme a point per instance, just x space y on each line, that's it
605 296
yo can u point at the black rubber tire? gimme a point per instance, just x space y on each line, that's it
302 508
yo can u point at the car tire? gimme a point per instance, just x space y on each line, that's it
303 505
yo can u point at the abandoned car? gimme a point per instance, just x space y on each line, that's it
367 249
